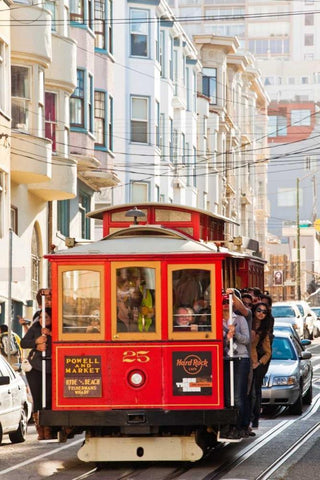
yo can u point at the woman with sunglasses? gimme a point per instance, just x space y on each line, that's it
260 356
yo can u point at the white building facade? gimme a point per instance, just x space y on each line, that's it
46 186
172 142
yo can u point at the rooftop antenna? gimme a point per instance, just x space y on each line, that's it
135 213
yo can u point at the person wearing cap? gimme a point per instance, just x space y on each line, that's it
236 329
247 301
255 293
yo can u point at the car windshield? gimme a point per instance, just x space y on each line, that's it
283 311
287 328
284 328
282 349
300 309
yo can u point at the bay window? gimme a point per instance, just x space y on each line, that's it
77 11
139 119
99 117
20 96
77 102
139 41
50 118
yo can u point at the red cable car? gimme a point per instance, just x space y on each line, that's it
137 354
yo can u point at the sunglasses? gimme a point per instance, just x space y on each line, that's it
261 311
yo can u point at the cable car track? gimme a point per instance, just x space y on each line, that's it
225 458
288 453
260 442
210 468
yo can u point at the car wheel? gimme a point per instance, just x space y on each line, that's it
296 408
307 399
0 433
20 434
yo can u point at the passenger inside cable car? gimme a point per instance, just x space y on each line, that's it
191 298
184 319
135 299
94 326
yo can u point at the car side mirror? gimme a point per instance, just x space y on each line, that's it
305 355
305 342
4 380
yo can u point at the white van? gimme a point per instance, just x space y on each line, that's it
290 313
309 318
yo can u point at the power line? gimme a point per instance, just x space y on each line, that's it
154 20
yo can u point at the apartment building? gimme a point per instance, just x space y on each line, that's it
111 102
173 141
283 37
154 107
49 170
5 142
238 106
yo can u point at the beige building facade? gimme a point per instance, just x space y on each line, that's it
100 115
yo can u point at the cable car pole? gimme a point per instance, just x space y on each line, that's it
44 352
230 322
10 293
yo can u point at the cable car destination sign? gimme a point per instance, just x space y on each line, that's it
82 376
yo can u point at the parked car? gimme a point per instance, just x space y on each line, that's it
280 326
289 313
290 330
309 318
14 405
316 310
289 378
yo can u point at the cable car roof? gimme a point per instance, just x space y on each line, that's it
98 214
144 239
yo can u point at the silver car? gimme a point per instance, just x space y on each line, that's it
14 406
289 378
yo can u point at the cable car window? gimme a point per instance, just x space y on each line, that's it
81 301
191 302
191 297
135 299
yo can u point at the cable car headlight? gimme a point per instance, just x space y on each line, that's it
136 378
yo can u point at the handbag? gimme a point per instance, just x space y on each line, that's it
36 360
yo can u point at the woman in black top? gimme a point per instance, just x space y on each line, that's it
38 339
260 356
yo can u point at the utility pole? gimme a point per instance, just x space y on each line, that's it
298 242
314 215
